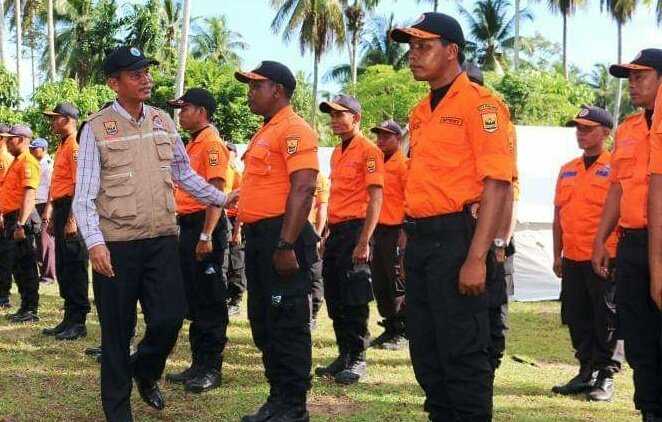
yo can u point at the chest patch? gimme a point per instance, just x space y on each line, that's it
567 174
110 127
157 123
447 120
603 172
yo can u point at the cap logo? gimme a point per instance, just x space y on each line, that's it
134 52
419 20
583 113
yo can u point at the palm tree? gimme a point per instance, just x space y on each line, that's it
621 11
566 8
318 24
2 33
171 22
491 30
19 43
216 41
51 40
183 49
355 12
146 31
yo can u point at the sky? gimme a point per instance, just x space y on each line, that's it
592 34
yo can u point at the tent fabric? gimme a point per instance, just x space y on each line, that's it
541 152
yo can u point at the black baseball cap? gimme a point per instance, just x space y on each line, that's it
474 72
592 116
197 96
647 59
126 58
342 102
231 147
389 126
431 25
64 109
269 70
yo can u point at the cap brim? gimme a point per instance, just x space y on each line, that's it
383 129
51 113
623 70
583 122
403 35
328 106
178 103
142 64
6 135
246 77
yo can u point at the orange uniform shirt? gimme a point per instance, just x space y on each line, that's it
454 147
580 197
209 158
322 192
656 136
629 162
233 182
360 165
283 145
63 178
23 173
5 161
395 179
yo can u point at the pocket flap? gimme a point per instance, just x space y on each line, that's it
117 145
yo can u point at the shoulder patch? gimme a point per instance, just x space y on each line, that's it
292 145
371 164
488 116
110 127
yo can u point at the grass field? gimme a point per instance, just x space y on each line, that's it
42 380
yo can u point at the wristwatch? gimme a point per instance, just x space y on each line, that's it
499 243
205 237
283 245
20 225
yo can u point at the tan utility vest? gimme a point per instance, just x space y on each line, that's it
135 199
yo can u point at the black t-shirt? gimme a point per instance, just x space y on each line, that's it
589 161
436 95
649 117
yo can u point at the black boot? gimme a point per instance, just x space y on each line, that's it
72 332
292 412
354 371
339 364
204 380
25 317
603 388
580 383
57 329
5 303
386 336
181 377
267 411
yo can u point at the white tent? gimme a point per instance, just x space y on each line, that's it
541 153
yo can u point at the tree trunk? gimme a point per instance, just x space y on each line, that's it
436 5
183 52
353 59
619 91
2 33
34 73
19 43
51 41
517 47
313 112
565 45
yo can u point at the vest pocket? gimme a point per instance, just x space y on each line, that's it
169 191
163 147
116 154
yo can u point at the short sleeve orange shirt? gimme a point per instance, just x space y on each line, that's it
454 147
395 179
580 197
23 174
283 145
5 161
360 165
322 191
630 162
235 182
63 178
656 136
209 158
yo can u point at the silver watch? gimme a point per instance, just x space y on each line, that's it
499 243
205 237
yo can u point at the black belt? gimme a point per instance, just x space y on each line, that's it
430 226
636 234
346 225
192 218
62 200
266 225
389 227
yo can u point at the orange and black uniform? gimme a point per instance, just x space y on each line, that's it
587 300
278 309
5 275
455 146
205 290
20 258
233 264
387 285
356 164
71 259
322 192
639 319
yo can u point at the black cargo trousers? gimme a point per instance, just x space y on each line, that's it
448 333
19 258
499 288
207 308
234 275
71 265
279 310
347 292
640 322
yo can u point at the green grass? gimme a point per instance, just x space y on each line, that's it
43 380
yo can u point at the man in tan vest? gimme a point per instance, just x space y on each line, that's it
130 155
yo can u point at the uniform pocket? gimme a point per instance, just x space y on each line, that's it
291 311
119 191
257 161
169 191
115 154
358 289
468 333
163 147
598 193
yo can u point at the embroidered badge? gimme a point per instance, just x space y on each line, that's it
583 113
111 127
490 124
371 165
567 174
455 121
603 172
135 52
157 123
76 156
292 145
213 158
